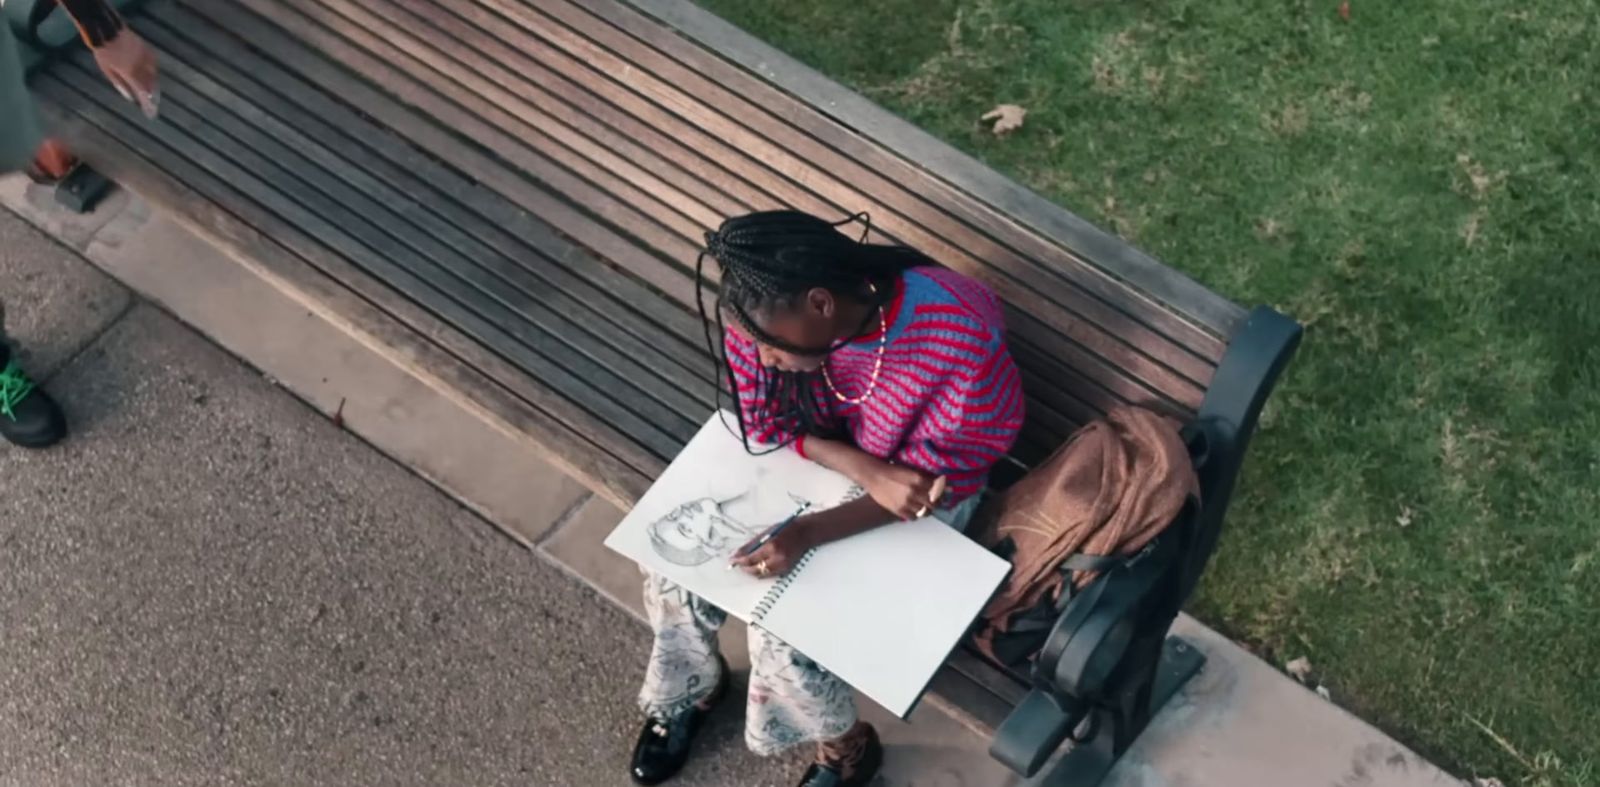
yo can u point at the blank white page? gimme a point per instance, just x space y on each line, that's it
884 609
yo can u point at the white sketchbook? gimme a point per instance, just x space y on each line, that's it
882 610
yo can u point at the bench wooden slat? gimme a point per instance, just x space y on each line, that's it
438 222
392 59
472 77
742 177
403 118
492 322
722 168
535 313
99 126
511 235
487 176
351 218
476 30
1107 388
972 702
834 143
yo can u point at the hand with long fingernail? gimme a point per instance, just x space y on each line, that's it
130 65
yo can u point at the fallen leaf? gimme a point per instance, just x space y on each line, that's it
1322 691
1007 118
1344 10
1404 520
1300 668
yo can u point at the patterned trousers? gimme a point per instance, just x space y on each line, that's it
792 700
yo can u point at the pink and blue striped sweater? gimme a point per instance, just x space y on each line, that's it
948 399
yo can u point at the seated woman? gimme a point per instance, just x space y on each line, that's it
870 360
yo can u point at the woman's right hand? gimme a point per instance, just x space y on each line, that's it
902 491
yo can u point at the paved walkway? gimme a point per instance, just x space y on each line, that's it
212 584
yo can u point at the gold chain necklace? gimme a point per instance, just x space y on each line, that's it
877 366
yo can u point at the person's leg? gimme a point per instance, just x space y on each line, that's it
52 162
20 134
23 146
961 515
685 667
795 702
685 678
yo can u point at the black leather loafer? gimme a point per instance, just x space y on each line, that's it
664 744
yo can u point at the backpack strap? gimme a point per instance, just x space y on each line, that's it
1079 561
1023 632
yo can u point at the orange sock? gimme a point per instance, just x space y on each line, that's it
52 161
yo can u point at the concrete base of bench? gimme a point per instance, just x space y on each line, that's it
1239 722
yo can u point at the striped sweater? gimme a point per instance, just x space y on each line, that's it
948 400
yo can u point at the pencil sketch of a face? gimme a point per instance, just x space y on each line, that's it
696 532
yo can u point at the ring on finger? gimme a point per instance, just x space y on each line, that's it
761 568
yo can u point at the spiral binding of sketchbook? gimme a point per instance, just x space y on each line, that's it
777 590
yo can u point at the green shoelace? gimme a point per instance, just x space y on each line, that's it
14 387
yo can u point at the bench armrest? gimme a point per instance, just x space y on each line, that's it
1087 659
1249 370
1035 729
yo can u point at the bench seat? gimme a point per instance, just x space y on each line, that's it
508 196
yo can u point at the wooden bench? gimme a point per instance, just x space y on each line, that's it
508 196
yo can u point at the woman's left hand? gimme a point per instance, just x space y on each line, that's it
776 557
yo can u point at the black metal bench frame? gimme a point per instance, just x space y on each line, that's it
1109 665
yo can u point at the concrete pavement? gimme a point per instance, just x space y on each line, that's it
210 583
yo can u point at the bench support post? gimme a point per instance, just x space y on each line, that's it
1086 765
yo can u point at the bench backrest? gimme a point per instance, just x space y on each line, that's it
714 139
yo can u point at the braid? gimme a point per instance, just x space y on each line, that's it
773 258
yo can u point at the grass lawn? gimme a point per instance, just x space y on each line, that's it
1420 184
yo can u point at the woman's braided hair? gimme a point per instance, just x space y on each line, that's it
773 259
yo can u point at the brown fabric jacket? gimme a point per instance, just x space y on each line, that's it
1115 485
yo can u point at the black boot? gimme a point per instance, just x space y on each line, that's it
664 744
28 416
